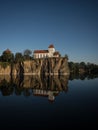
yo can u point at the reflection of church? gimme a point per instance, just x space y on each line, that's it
49 93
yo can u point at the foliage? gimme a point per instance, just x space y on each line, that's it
27 54
66 56
7 56
18 57
82 67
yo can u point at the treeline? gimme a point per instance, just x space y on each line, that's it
83 68
8 56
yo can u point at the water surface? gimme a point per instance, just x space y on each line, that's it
49 102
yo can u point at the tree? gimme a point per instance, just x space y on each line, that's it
27 54
7 56
18 57
66 56
74 67
82 65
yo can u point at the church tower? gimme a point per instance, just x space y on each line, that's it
51 50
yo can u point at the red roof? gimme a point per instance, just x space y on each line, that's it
51 46
56 53
41 51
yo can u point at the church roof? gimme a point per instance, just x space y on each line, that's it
56 53
51 46
41 51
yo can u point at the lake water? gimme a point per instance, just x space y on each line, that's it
48 102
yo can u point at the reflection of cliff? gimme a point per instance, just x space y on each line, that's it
40 86
48 83
6 86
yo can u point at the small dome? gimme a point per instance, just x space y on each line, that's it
51 46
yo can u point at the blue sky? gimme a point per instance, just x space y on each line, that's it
71 25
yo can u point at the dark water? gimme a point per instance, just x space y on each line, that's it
48 103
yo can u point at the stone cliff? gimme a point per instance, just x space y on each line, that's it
5 70
47 66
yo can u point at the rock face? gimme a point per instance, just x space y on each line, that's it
5 71
47 66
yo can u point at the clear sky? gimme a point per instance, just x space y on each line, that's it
71 25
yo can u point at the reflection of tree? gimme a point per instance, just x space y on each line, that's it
26 92
82 76
18 90
6 88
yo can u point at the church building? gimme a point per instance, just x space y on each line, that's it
51 52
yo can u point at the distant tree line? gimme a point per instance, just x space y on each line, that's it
83 68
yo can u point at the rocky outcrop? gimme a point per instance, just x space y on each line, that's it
55 66
18 69
45 66
32 67
5 70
